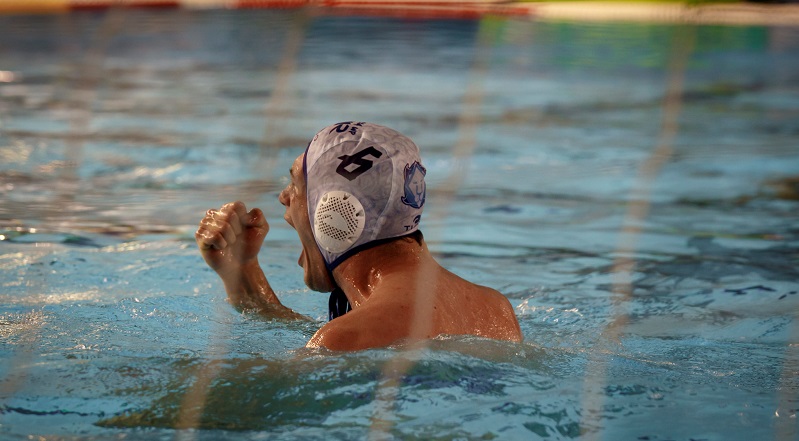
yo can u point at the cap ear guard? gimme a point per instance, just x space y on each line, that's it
339 221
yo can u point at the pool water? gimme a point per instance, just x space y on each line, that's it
631 188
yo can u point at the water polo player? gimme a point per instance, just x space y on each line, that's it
355 199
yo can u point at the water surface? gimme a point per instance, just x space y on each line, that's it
119 129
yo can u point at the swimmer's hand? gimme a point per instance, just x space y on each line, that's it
230 238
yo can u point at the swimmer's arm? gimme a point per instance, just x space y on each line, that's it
229 240
251 290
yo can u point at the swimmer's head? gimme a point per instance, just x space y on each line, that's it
365 185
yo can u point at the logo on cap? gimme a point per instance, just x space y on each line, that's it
415 187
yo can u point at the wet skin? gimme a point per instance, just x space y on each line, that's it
397 290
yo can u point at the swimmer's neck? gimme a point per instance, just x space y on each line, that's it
362 275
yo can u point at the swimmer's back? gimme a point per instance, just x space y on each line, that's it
450 306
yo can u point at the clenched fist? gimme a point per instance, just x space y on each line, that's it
231 237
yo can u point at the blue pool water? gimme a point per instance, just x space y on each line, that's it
541 139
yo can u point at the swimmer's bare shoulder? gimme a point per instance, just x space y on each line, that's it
375 324
506 325
482 311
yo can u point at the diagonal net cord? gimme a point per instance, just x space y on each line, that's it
396 368
84 93
600 358
193 402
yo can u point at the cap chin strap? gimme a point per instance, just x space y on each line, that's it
338 304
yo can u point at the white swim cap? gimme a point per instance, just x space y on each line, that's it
365 184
